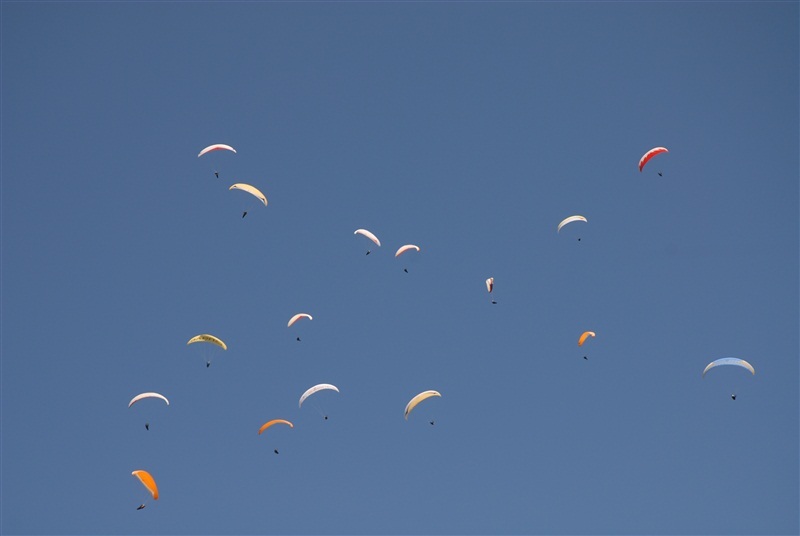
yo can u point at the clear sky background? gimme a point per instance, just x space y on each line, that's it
470 129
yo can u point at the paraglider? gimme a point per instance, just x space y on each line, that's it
730 361
650 154
417 399
582 339
216 147
570 219
142 396
490 288
310 391
369 235
252 190
405 248
205 337
297 317
148 482
273 422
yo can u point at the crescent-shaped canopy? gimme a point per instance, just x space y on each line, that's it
570 219
729 361
585 335
250 190
417 399
405 248
216 147
490 284
274 421
137 398
297 317
650 154
316 388
369 235
205 337
147 480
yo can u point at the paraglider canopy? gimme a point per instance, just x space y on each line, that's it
570 219
405 248
251 190
205 337
584 336
137 398
729 361
297 317
216 147
650 154
417 399
273 422
312 390
147 481
369 235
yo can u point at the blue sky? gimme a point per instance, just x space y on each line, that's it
470 129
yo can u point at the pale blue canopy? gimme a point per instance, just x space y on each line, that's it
729 361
